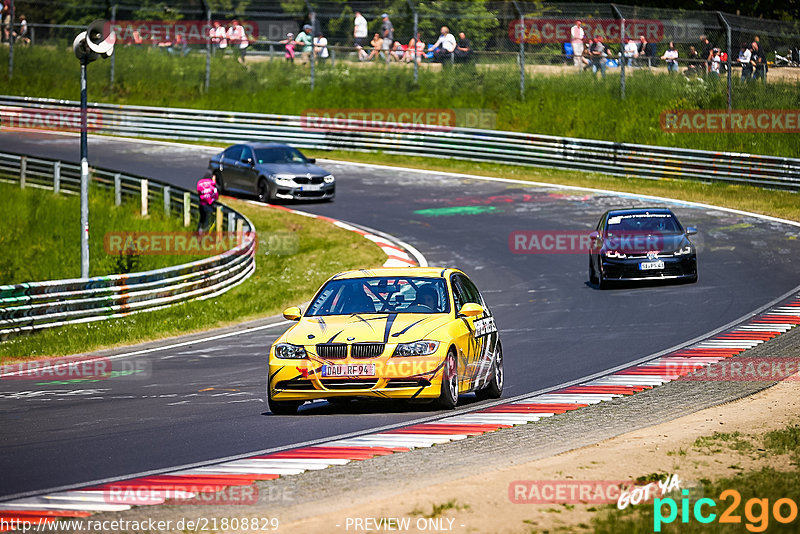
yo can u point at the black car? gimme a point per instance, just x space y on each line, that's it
641 244
271 171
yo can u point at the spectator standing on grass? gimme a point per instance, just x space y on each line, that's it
716 63
671 57
641 49
759 62
238 39
387 33
303 43
219 36
360 35
463 50
321 46
288 47
22 37
630 52
444 46
744 58
693 60
208 193
599 53
577 35
6 20
706 53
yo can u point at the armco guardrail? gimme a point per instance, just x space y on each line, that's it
38 305
462 143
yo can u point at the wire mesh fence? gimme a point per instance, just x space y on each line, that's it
503 49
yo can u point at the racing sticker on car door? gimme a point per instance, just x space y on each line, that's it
484 326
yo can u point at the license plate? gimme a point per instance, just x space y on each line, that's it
349 370
650 265
313 187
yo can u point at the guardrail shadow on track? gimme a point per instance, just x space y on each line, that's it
34 306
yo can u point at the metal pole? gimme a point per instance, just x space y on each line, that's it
622 58
11 43
416 30
208 49
313 17
729 62
113 57
521 52
84 180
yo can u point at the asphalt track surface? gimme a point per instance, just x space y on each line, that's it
205 401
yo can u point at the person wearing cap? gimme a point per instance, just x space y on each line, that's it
304 42
321 46
387 33
598 53
237 37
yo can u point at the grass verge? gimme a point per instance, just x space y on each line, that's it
43 232
759 490
563 105
278 281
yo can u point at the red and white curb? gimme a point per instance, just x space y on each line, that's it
211 479
398 253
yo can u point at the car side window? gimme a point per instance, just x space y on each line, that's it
232 152
459 297
246 153
472 293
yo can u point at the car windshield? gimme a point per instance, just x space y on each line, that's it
381 295
663 223
279 155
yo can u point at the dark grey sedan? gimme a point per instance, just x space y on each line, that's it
271 171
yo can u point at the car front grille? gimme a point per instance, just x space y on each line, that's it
349 384
303 180
407 383
366 350
332 351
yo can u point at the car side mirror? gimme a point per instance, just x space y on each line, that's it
312 160
691 230
293 313
594 240
247 161
470 309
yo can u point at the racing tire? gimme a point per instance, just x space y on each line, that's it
282 407
264 194
448 398
602 283
592 274
494 389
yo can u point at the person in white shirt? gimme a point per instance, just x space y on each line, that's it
577 35
630 51
745 55
716 62
238 39
671 57
219 37
321 46
444 47
359 32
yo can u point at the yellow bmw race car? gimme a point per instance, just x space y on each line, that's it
394 333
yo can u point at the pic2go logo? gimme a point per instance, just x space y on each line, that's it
756 511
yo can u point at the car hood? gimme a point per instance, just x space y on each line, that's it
365 327
298 169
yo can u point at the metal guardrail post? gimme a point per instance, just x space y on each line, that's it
218 225
56 177
622 60
23 171
231 222
730 53
144 197
313 19
187 208
239 230
167 201
521 51
117 189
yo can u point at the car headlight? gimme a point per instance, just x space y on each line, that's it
416 348
287 351
684 250
615 254
284 179
329 179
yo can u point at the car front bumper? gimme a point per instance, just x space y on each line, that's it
629 269
305 192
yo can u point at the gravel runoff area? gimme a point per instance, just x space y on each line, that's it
313 493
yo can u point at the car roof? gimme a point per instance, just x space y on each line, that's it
632 211
266 145
424 272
